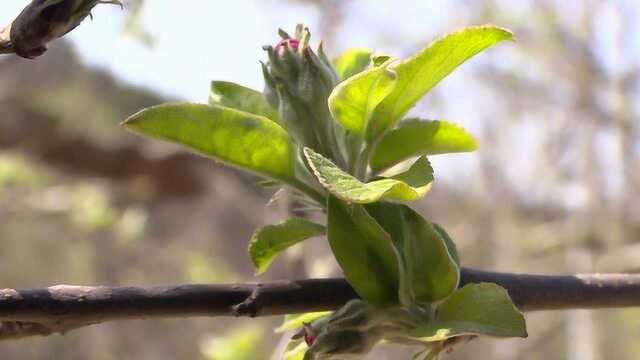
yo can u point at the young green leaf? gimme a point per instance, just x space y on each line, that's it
407 186
296 321
241 98
476 309
431 273
434 273
238 138
364 251
269 241
353 101
295 350
352 62
420 73
417 137
451 246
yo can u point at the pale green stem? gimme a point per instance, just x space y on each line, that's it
363 161
355 152
309 191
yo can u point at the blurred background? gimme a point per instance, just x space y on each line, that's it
553 188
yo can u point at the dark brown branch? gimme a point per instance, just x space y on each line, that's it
63 308
546 292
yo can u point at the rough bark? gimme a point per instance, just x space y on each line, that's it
61 308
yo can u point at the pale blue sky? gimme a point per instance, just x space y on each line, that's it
225 38
225 43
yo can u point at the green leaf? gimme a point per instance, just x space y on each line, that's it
352 62
238 138
431 272
417 137
296 321
408 186
241 98
476 309
451 246
420 73
295 350
271 240
364 251
353 101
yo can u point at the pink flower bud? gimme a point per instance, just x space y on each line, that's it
309 339
291 43
309 335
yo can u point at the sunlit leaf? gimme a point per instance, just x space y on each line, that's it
352 62
417 137
476 309
430 271
238 138
296 321
353 101
407 186
269 241
295 350
364 251
238 97
420 73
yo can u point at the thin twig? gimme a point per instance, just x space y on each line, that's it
58 309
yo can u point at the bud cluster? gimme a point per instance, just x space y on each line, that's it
298 82
356 327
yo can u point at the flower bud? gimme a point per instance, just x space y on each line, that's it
339 343
356 327
310 335
355 314
348 331
270 94
298 83
292 44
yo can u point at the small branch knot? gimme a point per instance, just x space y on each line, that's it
251 305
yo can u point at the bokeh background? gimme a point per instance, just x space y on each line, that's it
553 188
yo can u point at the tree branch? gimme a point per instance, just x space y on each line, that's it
61 308
43 21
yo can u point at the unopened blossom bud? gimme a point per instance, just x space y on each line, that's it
310 335
298 82
355 314
292 44
339 343
348 331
